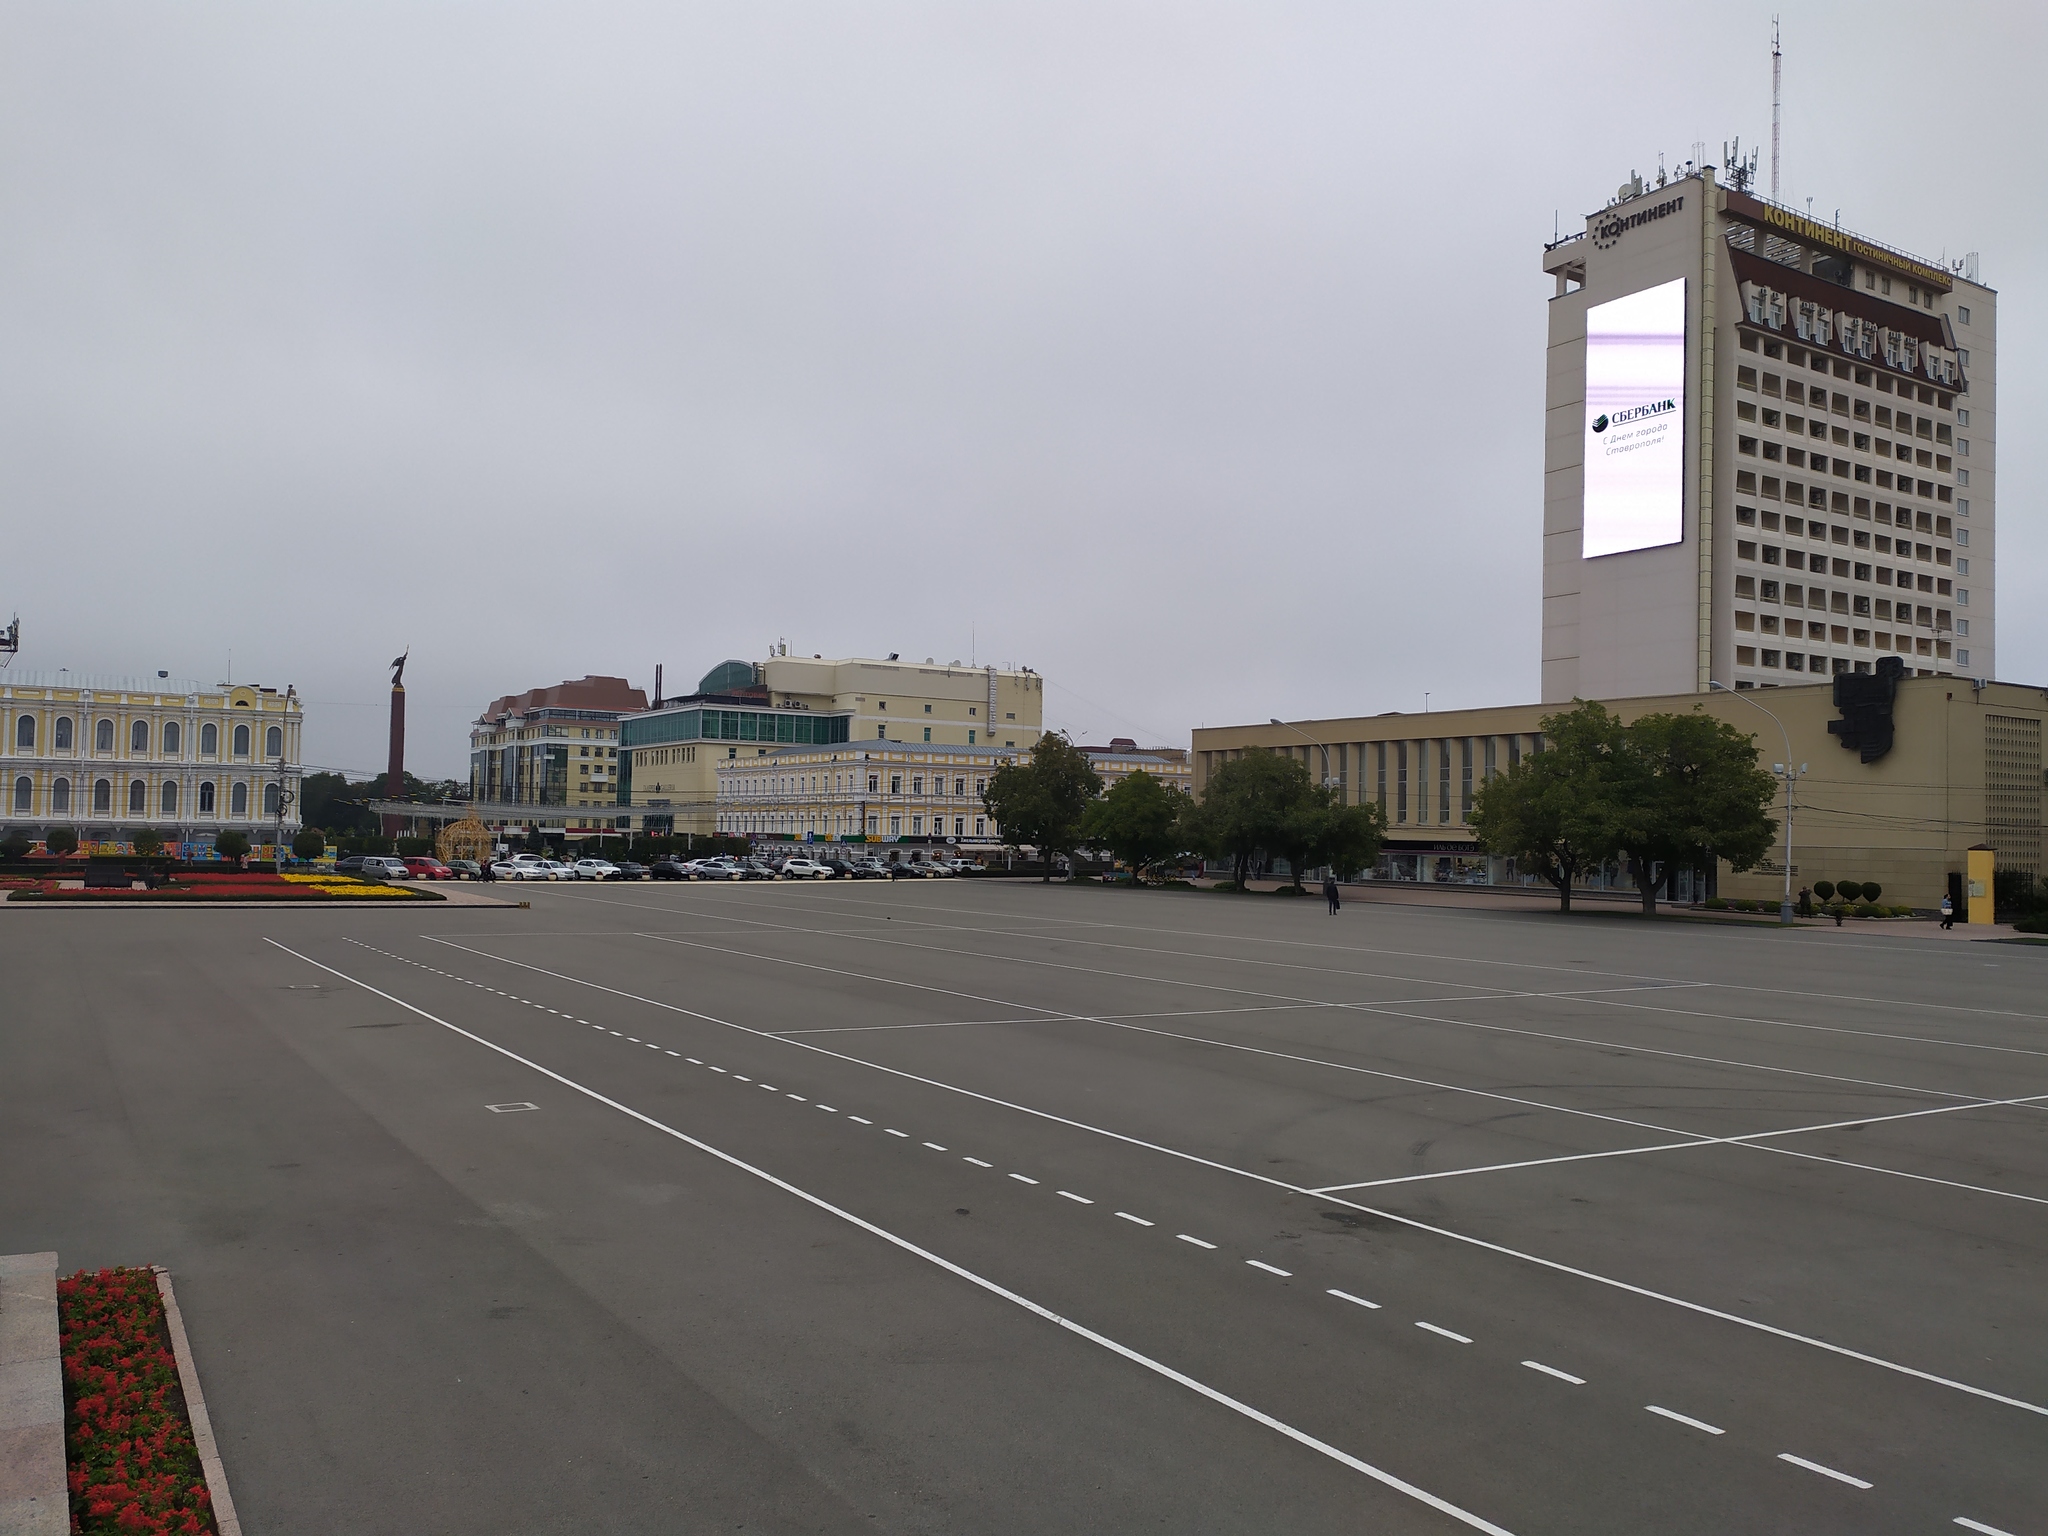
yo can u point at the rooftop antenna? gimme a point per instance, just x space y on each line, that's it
1777 73
10 641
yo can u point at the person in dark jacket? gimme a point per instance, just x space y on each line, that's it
1330 892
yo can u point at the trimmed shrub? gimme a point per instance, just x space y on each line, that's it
2038 923
1824 889
1290 890
231 844
309 844
1902 911
1870 909
1716 903
1849 890
1872 890
62 841
148 842
14 847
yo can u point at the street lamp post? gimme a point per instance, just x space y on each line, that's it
1789 774
1329 780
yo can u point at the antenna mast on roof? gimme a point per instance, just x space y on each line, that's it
1777 74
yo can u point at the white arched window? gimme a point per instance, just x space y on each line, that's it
206 795
170 797
103 736
62 739
138 798
138 737
24 793
174 738
241 741
25 734
273 742
103 797
60 797
209 740
270 800
238 797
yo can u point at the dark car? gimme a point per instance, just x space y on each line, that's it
352 865
841 869
628 870
669 869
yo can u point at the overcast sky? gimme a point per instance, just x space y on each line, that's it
1191 354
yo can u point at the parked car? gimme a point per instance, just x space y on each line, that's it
595 869
931 869
515 869
557 870
424 868
466 869
806 869
756 869
380 867
903 870
669 869
717 869
352 865
841 868
870 869
628 870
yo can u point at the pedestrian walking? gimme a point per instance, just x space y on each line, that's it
1948 913
1330 893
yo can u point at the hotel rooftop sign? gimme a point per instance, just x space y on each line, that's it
1799 227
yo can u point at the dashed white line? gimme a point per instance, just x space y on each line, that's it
1195 1240
740 1077
828 1109
1271 1269
765 1087
1141 1221
1682 1419
1814 1466
1021 1179
856 1119
977 1162
1456 1338
693 1061
1551 1370
935 1146
1356 1301
715 1069
798 1097
1068 1194
894 1132
672 1053
1979 1525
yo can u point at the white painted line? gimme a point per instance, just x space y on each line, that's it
1456 1338
672 1053
715 1069
1682 1419
798 1097
856 1119
1814 1466
977 1162
693 1061
1124 1351
1068 1194
634 1038
615 1034
509 1109
1551 1370
740 1078
1141 1221
1022 1180
828 1109
769 1086
1978 1525
1195 1240
1356 1301
1285 1274
894 1132
935 1146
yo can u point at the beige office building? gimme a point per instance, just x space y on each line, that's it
872 792
1960 765
675 756
1770 451
1124 757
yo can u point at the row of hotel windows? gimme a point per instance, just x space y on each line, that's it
138 738
1746 377
794 825
1800 661
138 798
844 784
1862 538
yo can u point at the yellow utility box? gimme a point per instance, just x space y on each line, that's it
1983 904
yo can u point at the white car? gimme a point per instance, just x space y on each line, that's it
517 869
378 867
558 870
596 869
716 869
805 869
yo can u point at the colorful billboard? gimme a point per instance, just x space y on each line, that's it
1635 421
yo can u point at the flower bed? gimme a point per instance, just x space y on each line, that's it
128 1448
235 885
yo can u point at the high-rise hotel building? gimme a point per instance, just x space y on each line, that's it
1770 451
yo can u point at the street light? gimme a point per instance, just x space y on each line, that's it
1784 771
1329 781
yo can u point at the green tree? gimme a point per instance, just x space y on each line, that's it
1693 794
1559 812
1040 801
1346 837
1139 821
309 844
15 845
148 842
230 844
62 841
1252 805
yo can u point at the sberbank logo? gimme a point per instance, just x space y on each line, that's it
1599 423
1637 413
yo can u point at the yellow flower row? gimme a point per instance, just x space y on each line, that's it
341 885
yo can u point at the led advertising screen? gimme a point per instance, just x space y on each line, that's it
1635 421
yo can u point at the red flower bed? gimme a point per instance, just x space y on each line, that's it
128 1445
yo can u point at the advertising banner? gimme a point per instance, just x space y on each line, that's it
1635 421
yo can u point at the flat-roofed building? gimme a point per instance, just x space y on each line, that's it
1124 757
555 750
861 791
1770 450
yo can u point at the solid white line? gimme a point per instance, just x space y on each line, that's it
1400 1485
1195 1240
1978 1525
1551 1370
977 1162
1067 1194
1455 1337
1814 1466
1271 1269
1682 1419
1356 1301
1448 1234
1022 1180
1141 1221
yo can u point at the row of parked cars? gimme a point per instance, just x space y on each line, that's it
534 866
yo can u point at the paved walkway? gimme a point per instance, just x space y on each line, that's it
33 1497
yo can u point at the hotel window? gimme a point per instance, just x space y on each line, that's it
138 738
102 797
24 792
970 738
241 741
103 736
270 799
62 735
170 797
60 797
174 739
25 734
138 798
206 798
1770 658
238 798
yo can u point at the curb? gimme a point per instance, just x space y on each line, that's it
35 1497
195 1410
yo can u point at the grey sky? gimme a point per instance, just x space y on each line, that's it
1190 354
